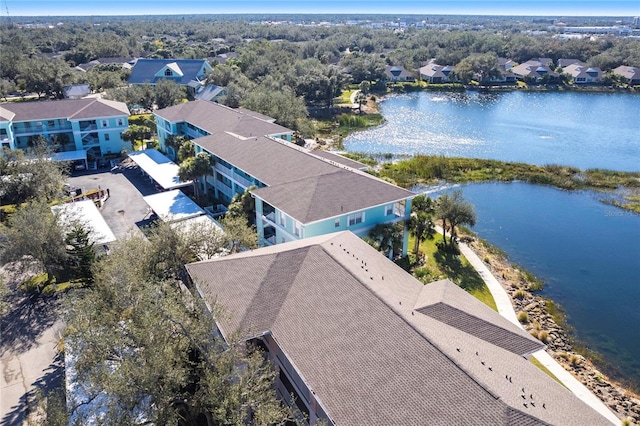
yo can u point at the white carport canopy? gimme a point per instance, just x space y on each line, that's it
174 205
70 156
87 214
159 167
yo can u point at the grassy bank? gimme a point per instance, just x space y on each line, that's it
432 265
431 169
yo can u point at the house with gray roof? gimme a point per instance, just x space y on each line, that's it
298 193
92 126
582 74
434 73
181 71
356 340
630 74
535 70
397 73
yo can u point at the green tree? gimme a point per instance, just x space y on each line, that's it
135 133
80 252
421 223
388 238
187 149
193 168
168 93
454 210
244 206
150 346
37 178
361 99
32 232
239 235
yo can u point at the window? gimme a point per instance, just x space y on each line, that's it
297 229
104 123
120 122
283 219
356 218
51 123
106 136
399 208
337 223
168 73
388 210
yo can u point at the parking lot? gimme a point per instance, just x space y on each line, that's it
124 208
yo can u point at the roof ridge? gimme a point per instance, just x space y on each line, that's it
419 332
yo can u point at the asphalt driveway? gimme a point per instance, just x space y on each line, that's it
124 208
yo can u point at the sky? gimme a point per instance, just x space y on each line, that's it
423 7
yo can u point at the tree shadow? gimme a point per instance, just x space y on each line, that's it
461 273
29 316
51 379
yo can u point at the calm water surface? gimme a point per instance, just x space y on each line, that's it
585 130
588 254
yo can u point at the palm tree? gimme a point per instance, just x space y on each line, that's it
421 222
387 237
455 210
193 168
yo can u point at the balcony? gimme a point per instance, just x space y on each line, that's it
242 180
223 169
221 187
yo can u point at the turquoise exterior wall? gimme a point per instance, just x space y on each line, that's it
284 228
101 135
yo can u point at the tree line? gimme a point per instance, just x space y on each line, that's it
280 69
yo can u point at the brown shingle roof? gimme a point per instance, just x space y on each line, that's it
446 302
331 194
343 315
326 189
216 118
74 109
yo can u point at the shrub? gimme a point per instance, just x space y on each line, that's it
543 336
523 317
519 293
574 359
36 283
536 325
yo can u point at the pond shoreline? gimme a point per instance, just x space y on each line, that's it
620 398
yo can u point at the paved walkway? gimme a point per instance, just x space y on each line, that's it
505 308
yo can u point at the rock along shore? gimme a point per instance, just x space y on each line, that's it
623 402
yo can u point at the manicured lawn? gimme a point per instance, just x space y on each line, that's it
440 265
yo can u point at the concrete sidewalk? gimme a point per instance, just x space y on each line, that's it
505 308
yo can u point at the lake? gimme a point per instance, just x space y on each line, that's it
587 252
585 130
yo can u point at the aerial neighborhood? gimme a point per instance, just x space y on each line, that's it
351 336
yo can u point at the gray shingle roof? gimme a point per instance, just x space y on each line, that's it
447 303
144 70
315 196
216 119
333 156
74 109
330 194
344 316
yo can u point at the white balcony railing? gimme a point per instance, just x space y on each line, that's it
223 169
242 180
